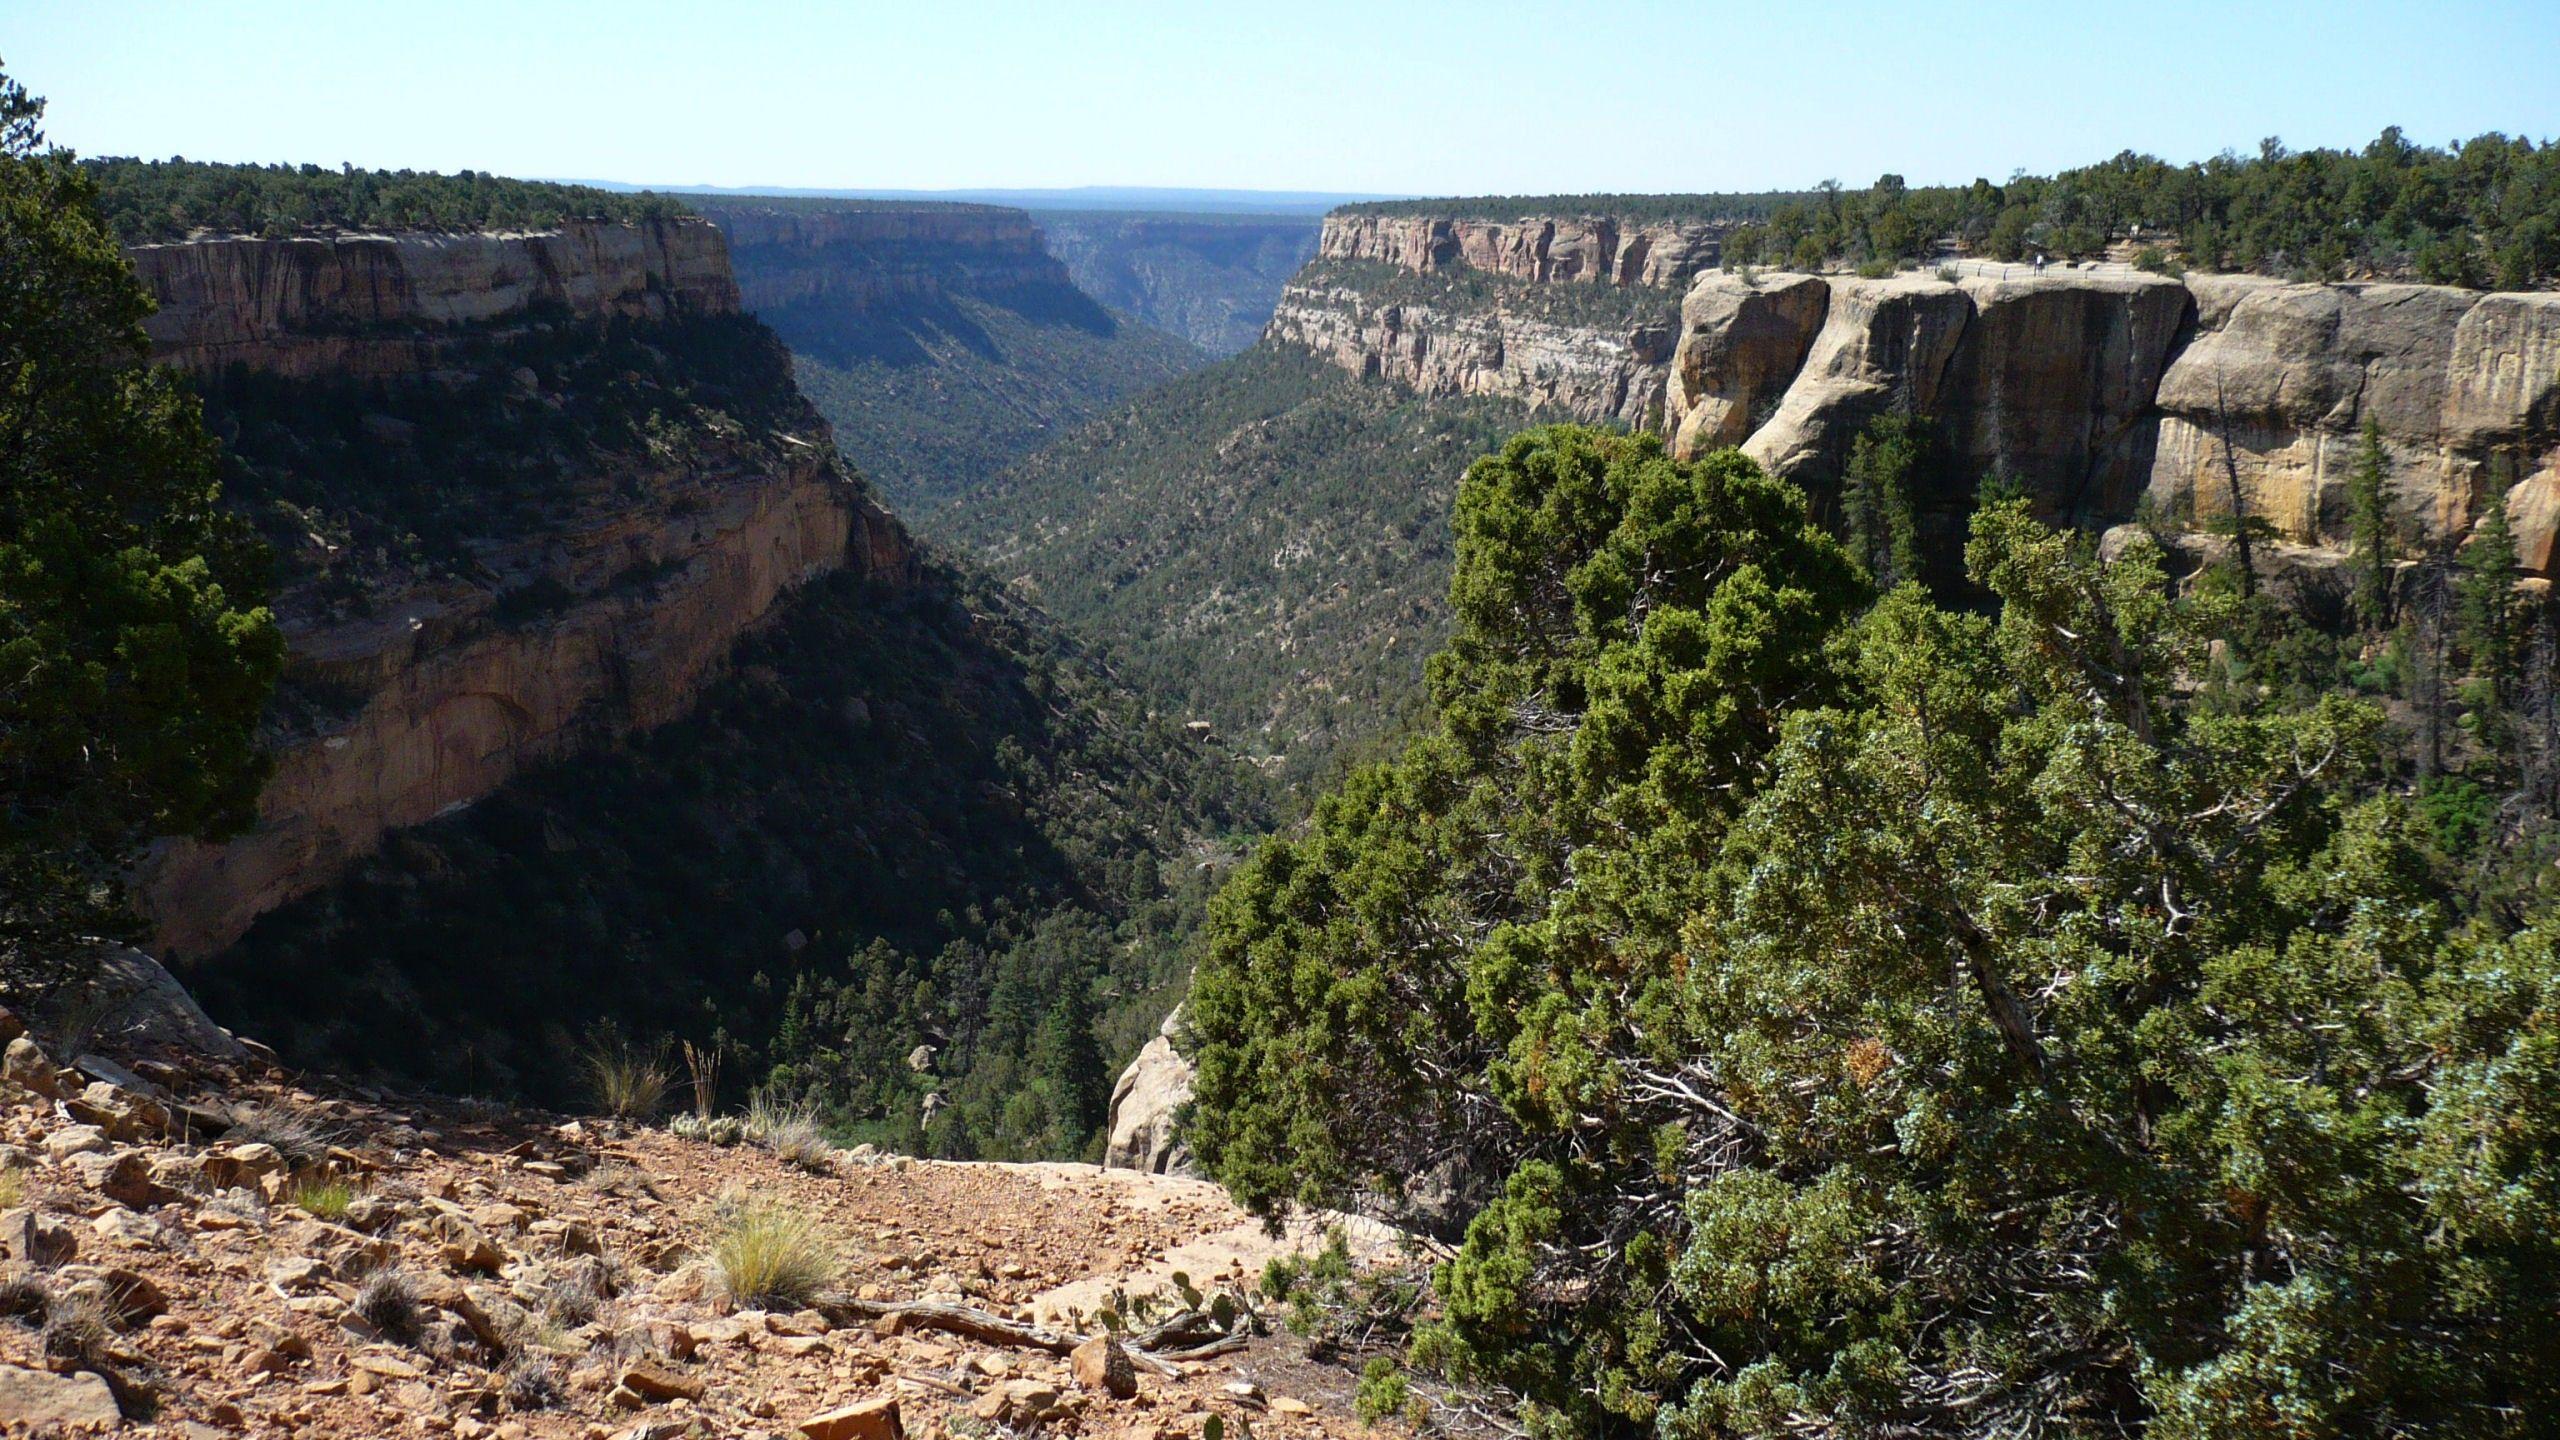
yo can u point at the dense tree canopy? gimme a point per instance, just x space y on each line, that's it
1833 1017
134 658
171 199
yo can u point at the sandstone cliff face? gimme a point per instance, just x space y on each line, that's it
382 305
2464 388
854 258
649 563
2097 390
1576 315
1481 345
1540 250
2094 389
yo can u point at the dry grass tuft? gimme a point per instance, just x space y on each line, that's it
532 1384
791 1133
299 1133
388 1304
628 1082
768 1256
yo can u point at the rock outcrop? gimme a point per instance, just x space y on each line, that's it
1539 249
648 560
1146 1105
382 305
1496 343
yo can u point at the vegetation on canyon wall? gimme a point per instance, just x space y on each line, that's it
941 395
1849 1014
135 653
349 479
1263 543
912 817
146 200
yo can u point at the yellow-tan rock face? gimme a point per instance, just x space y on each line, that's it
2097 390
376 305
444 696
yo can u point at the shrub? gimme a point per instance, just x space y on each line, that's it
768 1256
792 1133
626 1081
301 1133
387 1303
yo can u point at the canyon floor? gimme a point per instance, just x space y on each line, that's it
560 1279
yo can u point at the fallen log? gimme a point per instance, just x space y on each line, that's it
979 1325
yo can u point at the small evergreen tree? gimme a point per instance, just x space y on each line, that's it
2484 598
2369 509
1878 512
134 657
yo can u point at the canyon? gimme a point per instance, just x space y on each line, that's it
434 691
941 341
2104 390
1212 279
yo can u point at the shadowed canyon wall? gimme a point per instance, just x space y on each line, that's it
597 595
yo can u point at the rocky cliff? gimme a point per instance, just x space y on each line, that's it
1212 279
1539 249
379 305
1575 315
526 490
2098 390
857 256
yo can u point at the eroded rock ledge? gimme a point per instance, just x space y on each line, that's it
443 683
2095 389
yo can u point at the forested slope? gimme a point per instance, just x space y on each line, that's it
1263 543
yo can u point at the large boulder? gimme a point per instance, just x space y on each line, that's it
1741 343
1146 1106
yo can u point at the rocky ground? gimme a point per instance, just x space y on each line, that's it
199 1247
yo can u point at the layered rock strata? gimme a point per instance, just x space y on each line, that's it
1486 340
444 683
1540 250
2099 390
381 305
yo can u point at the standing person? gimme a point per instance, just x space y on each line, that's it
2039 264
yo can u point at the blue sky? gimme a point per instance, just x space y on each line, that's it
1318 95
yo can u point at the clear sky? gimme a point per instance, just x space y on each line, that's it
1368 95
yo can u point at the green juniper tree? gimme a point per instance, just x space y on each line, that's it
1879 515
2369 520
1825 1018
134 656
